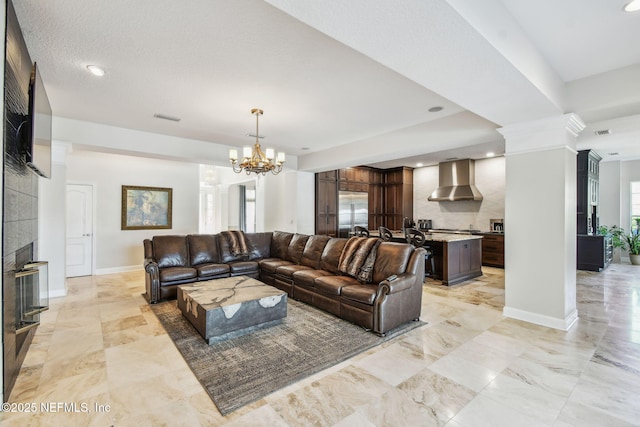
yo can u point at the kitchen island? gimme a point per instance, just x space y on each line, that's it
457 256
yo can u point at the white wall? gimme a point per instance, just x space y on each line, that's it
609 182
279 206
118 249
52 195
306 220
490 180
233 206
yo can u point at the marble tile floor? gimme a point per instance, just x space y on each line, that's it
101 351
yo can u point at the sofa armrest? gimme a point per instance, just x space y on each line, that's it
397 302
152 280
402 282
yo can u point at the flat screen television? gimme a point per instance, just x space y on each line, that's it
38 144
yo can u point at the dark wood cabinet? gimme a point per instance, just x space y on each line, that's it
376 199
398 197
457 261
354 179
595 253
588 190
390 196
493 250
327 203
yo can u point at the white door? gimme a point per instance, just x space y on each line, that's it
79 230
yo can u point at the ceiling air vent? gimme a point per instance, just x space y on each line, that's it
165 117
603 132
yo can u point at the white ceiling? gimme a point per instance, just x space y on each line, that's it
359 75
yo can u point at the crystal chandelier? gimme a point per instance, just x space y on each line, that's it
254 159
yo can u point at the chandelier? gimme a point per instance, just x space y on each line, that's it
254 159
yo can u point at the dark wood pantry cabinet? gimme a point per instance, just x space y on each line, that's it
594 251
390 196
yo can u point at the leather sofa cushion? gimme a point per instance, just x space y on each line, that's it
307 277
172 274
331 254
296 246
170 251
288 270
259 244
332 285
242 267
203 249
313 250
225 250
361 293
212 269
270 265
391 258
280 244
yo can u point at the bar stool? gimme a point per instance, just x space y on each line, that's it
385 233
417 239
360 231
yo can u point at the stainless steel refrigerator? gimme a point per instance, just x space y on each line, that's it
353 210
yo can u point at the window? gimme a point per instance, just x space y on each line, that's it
635 207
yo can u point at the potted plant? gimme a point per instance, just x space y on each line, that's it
625 241
632 241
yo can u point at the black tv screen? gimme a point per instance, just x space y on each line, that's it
38 150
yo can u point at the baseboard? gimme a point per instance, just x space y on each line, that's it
58 293
125 269
540 319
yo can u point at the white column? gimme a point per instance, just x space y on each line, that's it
540 221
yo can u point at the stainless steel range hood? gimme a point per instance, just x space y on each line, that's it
457 182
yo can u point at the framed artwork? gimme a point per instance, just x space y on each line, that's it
146 208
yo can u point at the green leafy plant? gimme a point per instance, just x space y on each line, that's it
632 242
626 241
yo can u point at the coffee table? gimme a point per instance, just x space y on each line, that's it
233 306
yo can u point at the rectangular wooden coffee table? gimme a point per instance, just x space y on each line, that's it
225 308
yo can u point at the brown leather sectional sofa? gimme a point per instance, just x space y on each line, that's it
306 267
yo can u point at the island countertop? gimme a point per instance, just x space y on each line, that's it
447 237
432 236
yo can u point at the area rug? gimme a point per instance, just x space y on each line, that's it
244 369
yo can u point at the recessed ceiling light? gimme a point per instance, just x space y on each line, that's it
435 109
491 154
96 71
632 6
419 165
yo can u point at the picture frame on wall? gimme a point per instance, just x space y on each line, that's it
146 208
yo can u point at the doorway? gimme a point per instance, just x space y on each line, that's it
79 225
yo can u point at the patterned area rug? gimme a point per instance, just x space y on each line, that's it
244 369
